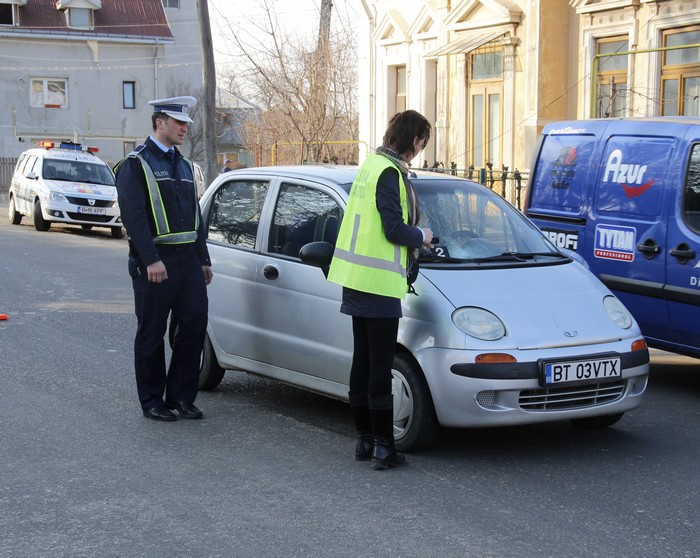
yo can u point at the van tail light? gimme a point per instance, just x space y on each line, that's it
495 358
639 345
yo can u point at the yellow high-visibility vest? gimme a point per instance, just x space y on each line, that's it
364 259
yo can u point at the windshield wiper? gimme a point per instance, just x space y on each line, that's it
518 256
426 258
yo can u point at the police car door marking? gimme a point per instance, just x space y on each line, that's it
613 242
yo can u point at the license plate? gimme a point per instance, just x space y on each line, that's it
582 370
92 210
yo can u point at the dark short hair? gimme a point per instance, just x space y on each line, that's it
155 116
403 128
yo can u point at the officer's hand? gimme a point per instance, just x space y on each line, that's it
208 274
157 272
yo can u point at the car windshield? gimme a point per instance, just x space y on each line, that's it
475 225
77 171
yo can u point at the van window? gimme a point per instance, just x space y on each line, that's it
560 176
632 175
691 198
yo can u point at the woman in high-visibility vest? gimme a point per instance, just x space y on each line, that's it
377 239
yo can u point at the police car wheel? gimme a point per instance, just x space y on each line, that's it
13 215
117 232
415 422
210 372
597 422
40 223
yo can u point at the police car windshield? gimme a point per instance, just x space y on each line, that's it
473 224
77 171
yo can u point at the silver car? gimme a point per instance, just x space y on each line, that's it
503 328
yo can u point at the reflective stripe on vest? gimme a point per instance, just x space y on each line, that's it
163 234
368 261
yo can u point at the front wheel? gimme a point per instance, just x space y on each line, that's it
13 215
117 232
415 423
210 372
597 422
40 223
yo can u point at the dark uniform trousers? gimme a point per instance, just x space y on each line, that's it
185 293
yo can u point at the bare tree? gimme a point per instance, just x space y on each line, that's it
305 87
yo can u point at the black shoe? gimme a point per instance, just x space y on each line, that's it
384 455
363 449
186 410
159 413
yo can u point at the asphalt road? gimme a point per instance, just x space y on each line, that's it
269 471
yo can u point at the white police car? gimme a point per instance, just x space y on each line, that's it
64 183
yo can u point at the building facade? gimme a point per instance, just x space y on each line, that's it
84 70
489 74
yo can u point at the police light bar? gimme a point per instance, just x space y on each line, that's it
93 149
70 145
46 144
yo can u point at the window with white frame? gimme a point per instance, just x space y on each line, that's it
79 18
485 112
612 96
171 4
400 88
680 72
49 92
8 14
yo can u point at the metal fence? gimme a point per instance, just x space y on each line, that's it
7 167
508 184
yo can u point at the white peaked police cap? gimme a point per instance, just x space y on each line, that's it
175 107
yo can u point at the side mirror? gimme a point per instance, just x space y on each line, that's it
32 176
318 253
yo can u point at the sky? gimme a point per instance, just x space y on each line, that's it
295 16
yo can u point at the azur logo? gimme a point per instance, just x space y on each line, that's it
626 174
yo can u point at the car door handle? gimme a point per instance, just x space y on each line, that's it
649 248
682 252
271 272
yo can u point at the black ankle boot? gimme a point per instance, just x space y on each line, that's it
365 443
384 454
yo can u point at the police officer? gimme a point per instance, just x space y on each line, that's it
168 262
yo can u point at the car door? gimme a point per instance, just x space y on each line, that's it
683 257
302 329
627 236
232 229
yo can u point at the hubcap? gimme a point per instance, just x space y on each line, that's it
403 404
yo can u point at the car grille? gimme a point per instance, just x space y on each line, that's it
88 217
84 201
571 397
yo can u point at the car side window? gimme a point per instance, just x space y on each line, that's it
303 214
235 212
29 166
691 198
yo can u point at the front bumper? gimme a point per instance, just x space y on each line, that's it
466 394
71 213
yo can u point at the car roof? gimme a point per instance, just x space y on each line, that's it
339 174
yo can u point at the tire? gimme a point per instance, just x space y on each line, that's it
415 423
40 223
594 423
13 216
210 372
117 232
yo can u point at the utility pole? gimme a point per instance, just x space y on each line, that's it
208 115
320 78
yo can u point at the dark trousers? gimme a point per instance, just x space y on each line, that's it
373 356
184 293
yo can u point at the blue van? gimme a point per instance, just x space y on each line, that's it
625 195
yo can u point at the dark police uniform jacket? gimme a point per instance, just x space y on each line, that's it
178 193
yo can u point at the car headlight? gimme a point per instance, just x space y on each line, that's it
479 323
56 196
617 312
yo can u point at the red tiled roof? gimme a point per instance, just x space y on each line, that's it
140 18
